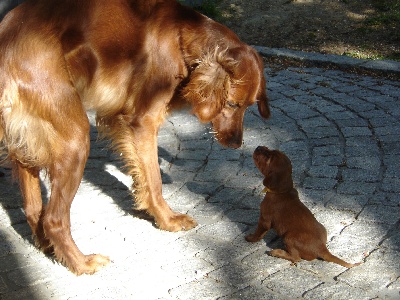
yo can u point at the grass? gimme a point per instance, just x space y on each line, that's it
386 19
206 7
388 14
363 55
386 5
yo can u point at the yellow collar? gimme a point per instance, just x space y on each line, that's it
266 190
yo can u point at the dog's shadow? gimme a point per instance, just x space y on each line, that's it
100 158
272 240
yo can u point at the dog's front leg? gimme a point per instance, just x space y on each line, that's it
137 143
264 224
260 232
148 183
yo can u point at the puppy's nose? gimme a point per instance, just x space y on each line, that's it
262 149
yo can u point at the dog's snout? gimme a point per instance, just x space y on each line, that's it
262 150
235 144
234 139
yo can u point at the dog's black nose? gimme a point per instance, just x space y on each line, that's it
235 145
262 148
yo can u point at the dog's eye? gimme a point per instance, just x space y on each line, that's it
232 105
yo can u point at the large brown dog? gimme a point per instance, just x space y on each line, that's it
131 61
304 237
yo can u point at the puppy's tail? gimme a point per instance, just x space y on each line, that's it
327 256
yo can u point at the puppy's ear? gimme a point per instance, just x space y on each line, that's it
208 85
278 177
271 180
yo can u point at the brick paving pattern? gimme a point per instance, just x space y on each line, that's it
341 131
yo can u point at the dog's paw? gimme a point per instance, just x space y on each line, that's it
178 222
91 264
252 238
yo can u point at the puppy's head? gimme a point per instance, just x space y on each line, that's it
222 85
276 168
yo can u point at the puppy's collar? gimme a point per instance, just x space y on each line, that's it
266 190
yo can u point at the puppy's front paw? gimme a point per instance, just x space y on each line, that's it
252 238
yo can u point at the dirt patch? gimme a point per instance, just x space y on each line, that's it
352 27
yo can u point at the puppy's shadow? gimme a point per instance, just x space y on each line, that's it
273 241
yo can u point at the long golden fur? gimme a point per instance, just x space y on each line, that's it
132 61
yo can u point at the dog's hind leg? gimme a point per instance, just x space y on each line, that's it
30 188
292 256
66 171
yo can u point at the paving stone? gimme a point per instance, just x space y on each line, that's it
321 132
253 292
375 274
207 288
380 214
348 202
330 160
374 233
249 217
391 184
333 220
319 183
224 230
188 271
357 188
356 131
291 282
364 162
358 175
326 151
337 291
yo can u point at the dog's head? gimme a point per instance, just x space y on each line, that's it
222 85
276 168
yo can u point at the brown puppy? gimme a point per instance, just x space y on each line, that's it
282 210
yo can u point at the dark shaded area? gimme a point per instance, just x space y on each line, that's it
363 29
7 5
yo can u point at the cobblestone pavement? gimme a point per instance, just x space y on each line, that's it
341 132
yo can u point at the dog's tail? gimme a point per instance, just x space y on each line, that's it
327 256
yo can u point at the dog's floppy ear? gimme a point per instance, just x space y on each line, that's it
209 82
262 98
272 180
262 101
278 177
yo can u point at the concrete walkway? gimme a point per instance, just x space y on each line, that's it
341 131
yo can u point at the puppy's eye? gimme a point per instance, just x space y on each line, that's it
232 105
